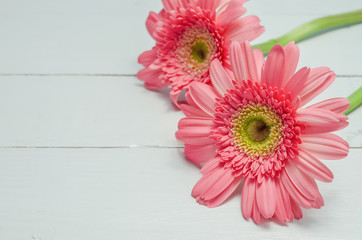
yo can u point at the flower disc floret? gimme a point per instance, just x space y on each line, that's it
189 35
257 130
195 50
258 122
250 128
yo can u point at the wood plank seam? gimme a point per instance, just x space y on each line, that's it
112 75
104 147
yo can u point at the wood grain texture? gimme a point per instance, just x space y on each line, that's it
83 37
145 194
106 111
86 152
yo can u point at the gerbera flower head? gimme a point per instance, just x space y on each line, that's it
189 34
251 125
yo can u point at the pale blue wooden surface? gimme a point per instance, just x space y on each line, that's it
87 153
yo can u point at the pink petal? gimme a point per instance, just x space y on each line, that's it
243 62
225 194
152 24
291 61
325 146
195 122
279 212
233 11
151 77
147 57
220 185
219 78
186 3
266 197
204 96
297 211
313 188
319 80
174 4
296 83
283 209
286 201
273 71
212 5
259 62
294 192
246 28
174 94
235 53
329 139
170 4
248 196
200 153
206 182
326 128
319 202
325 152
191 101
190 132
191 111
337 105
210 166
212 184
300 180
316 116
312 167
195 135
255 214
318 120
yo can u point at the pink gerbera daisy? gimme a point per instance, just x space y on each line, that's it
189 34
251 126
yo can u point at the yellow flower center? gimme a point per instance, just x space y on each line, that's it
195 50
200 51
257 130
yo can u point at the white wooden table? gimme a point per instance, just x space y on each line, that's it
87 153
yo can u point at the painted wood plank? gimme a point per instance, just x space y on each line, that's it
77 37
278 7
106 111
84 111
145 194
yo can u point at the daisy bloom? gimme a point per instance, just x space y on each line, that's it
250 128
189 34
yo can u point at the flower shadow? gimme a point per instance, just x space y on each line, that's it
180 152
164 94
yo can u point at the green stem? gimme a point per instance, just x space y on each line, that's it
311 28
355 100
